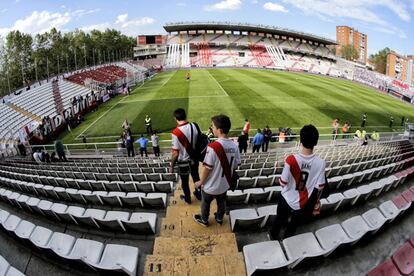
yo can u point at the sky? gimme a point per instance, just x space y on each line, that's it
388 23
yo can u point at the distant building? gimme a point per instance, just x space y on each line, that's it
349 36
400 67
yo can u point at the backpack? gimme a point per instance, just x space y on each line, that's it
201 143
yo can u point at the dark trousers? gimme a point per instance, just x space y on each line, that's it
184 170
156 151
284 212
265 145
256 148
149 130
363 123
142 151
206 200
62 156
130 151
243 148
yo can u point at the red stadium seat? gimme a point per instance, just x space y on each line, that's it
404 259
387 268
400 202
408 195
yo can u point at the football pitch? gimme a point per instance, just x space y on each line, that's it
265 97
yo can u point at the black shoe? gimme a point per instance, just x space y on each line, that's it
197 194
219 221
182 197
200 221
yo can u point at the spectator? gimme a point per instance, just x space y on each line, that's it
45 156
302 181
60 150
21 148
155 140
210 134
148 125
184 137
345 129
258 140
222 158
402 120
37 156
357 134
129 144
267 136
142 145
242 140
335 126
53 157
246 126
375 136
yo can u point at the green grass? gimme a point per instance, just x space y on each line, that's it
265 97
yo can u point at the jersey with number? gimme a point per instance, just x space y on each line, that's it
181 140
216 182
300 176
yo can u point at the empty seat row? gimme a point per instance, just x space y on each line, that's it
114 169
251 218
165 176
253 195
400 263
136 222
109 258
269 255
98 185
100 198
7 270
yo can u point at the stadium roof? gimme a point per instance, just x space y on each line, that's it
245 27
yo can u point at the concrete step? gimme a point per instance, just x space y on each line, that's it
220 244
229 265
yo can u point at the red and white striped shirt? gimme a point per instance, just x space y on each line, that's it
181 140
300 176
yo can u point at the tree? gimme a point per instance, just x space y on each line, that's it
25 58
380 60
348 52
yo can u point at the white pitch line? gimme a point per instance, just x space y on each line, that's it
222 89
161 99
123 100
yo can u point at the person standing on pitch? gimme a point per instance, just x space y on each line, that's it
222 159
391 121
246 127
364 119
257 141
155 140
184 137
242 140
142 141
267 136
148 125
302 181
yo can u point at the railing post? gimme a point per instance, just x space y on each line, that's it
96 149
67 149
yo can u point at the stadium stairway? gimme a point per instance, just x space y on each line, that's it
24 112
186 248
57 98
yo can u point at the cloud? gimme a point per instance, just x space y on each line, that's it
43 21
225 5
4 10
122 23
274 7
362 10
181 4
255 1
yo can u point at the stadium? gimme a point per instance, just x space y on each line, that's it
99 211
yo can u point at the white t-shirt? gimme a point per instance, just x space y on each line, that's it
183 129
216 182
300 176
37 156
155 139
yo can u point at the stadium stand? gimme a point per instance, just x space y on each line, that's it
8 270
